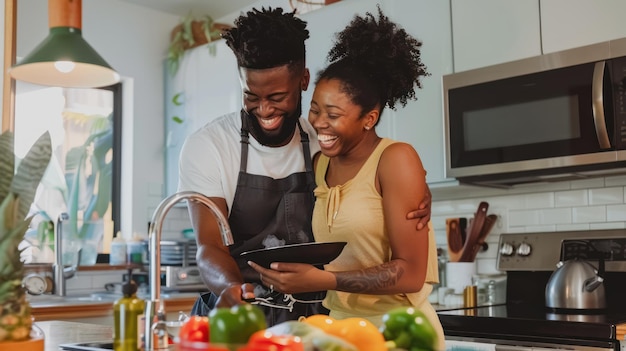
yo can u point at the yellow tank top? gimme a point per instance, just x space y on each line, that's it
353 212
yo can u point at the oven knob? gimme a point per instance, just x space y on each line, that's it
506 249
524 249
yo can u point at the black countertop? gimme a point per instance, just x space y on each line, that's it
526 322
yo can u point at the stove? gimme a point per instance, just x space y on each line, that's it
523 322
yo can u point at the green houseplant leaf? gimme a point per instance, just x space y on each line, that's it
30 171
8 163
17 191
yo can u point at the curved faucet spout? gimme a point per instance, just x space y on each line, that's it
154 307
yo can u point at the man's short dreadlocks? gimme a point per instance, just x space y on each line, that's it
267 38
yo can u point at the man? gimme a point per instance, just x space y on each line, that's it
256 166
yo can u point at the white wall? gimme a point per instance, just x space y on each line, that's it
134 41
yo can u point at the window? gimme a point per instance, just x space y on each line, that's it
83 178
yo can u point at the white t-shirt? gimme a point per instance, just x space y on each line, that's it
210 157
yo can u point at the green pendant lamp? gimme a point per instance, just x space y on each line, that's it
64 58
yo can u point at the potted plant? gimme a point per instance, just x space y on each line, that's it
17 191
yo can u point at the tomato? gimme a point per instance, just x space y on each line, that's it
195 328
264 340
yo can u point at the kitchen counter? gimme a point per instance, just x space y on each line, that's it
62 332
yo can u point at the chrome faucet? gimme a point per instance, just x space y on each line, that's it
154 307
61 273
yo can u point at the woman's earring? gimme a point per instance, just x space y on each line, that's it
367 127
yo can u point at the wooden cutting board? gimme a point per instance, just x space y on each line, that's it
455 231
473 235
620 330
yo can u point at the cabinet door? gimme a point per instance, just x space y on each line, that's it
208 86
567 24
420 122
488 32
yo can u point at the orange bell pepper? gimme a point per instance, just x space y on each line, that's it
357 331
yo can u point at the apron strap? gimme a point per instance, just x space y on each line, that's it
243 164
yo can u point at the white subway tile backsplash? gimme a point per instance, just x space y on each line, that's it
603 196
555 216
539 200
516 230
587 183
509 202
443 207
589 214
572 227
571 198
616 213
540 228
524 217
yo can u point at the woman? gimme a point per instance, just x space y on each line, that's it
365 183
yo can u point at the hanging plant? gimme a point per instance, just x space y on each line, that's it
177 101
190 33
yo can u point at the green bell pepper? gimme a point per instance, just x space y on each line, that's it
408 328
235 325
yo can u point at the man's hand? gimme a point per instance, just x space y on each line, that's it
422 214
234 295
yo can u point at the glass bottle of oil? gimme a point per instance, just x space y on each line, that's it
126 312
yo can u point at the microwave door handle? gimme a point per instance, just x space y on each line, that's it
597 106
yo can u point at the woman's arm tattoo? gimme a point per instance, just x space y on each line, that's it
369 280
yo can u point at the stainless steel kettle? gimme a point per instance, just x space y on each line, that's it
576 284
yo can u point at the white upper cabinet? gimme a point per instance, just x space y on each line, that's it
488 32
567 24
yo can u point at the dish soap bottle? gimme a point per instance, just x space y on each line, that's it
118 250
126 313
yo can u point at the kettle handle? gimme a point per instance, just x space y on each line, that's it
593 283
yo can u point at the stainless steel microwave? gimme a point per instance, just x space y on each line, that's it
552 117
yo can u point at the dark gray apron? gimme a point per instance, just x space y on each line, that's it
271 211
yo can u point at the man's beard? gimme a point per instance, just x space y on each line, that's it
284 134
